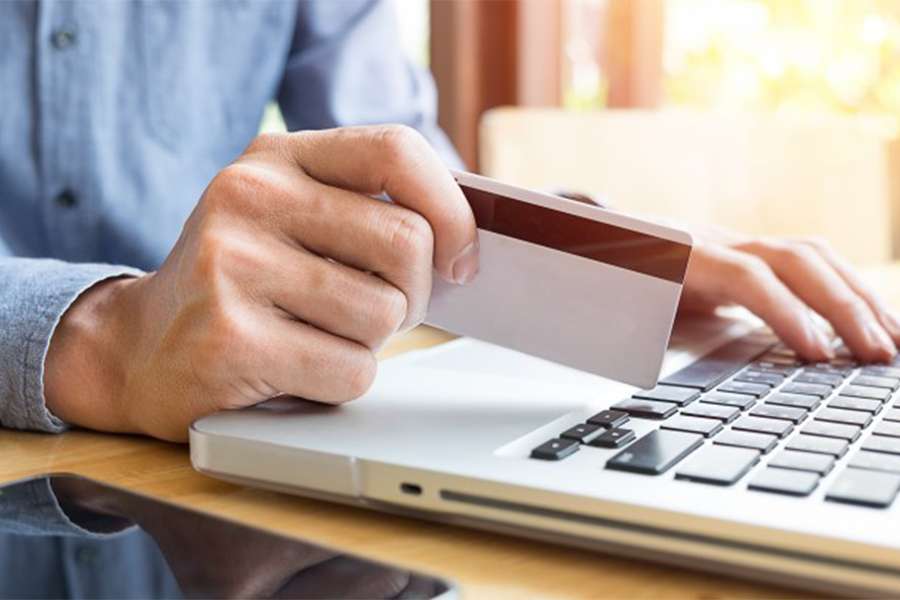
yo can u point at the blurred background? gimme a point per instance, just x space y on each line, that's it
766 116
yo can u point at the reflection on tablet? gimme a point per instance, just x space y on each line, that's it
70 537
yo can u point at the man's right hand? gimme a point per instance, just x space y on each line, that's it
286 279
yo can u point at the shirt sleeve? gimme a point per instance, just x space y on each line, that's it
34 295
347 67
32 508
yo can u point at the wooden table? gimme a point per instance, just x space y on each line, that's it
486 565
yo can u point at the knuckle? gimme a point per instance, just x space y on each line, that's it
390 314
411 236
748 270
399 144
359 374
221 254
795 256
851 306
232 187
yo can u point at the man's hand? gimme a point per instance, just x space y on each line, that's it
780 281
286 279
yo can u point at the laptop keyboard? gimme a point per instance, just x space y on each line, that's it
753 401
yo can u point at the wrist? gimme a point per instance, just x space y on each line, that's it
85 367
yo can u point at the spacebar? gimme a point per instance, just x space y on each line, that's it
714 368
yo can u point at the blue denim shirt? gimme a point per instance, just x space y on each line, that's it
115 115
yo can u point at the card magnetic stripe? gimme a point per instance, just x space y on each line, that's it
565 232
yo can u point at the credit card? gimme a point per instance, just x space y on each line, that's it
586 287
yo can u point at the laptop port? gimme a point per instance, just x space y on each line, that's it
412 489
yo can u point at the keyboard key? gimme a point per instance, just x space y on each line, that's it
773 377
760 377
669 393
647 409
613 438
775 359
720 465
866 392
891 414
609 418
795 400
759 425
881 371
717 366
880 443
555 449
864 404
840 415
726 414
785 481
818 444
887 429
770 367
832 380
829 369
705 427
656 452
875 381
786 413
808 389
803 461
868 488
751 389
582 433
832 430
876 461
745 439
739 401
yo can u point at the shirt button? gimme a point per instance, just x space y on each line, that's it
63 38
66 199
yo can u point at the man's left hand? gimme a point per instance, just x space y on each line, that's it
783 281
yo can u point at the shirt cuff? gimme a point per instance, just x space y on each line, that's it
45 293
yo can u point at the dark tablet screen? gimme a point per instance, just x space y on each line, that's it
70 537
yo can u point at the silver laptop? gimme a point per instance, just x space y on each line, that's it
741 461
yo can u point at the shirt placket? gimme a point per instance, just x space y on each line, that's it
63 63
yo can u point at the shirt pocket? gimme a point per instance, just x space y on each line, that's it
180 96
210 67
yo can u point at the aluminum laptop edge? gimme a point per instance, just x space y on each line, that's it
446 434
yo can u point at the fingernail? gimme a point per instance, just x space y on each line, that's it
878 336
465 267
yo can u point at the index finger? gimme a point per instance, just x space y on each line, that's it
398 161
725 275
